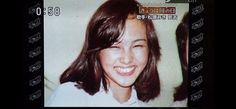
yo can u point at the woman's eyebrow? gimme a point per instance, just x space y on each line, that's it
137 40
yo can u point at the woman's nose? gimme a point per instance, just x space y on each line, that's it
126 56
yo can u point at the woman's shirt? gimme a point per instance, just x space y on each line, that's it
67 95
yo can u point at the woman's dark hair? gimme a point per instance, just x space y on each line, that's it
105 28
182 34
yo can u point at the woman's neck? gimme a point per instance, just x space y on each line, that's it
121 94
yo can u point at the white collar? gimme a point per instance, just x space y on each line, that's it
132 100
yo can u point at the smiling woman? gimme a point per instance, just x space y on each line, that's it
124 61
117 64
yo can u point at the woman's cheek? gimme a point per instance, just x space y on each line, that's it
141 55
109 56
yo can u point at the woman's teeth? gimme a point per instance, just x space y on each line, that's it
125 69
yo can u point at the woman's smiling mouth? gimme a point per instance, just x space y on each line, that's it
125 71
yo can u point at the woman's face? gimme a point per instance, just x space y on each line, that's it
125 60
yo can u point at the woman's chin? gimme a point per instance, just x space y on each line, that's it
125 83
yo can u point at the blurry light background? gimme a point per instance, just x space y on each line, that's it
64 37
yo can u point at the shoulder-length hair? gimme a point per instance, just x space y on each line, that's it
182 33
105 28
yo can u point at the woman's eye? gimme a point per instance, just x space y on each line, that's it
138 46
114 46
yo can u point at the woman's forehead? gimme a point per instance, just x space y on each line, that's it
134 29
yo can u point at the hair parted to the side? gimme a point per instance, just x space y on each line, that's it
182 33
105 28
